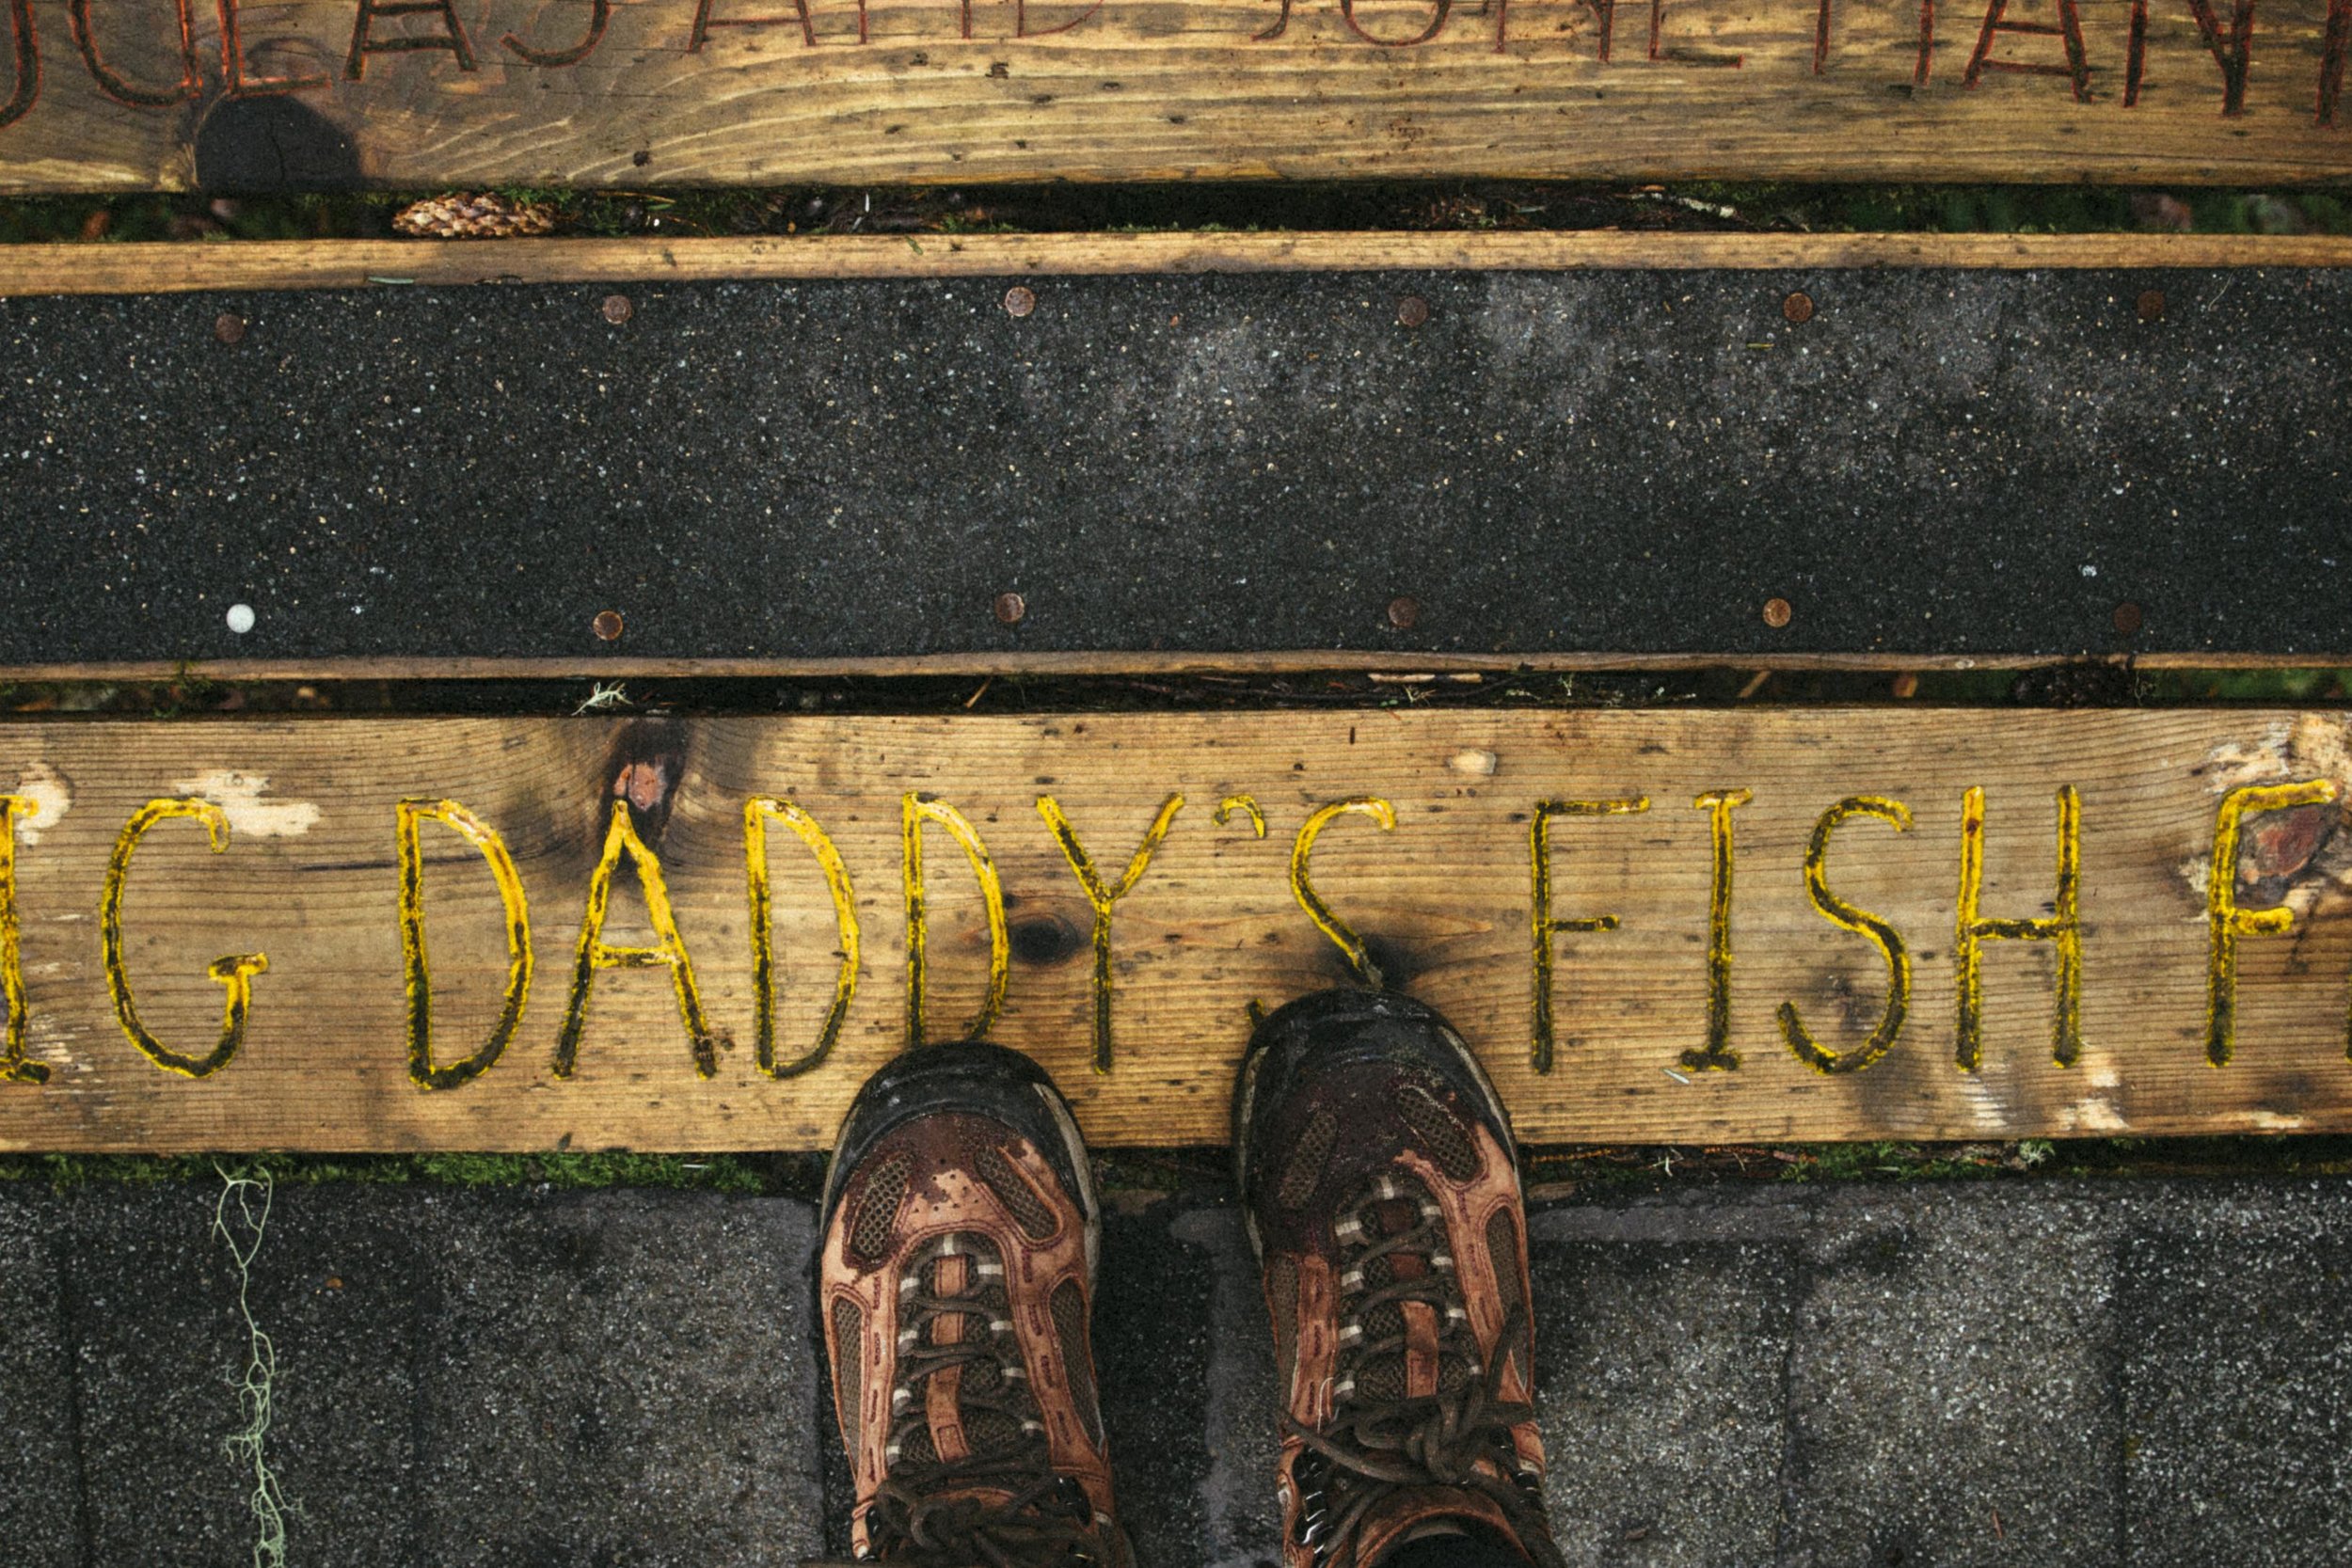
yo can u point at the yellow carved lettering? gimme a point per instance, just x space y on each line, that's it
1103 896
408 819
1847 917
755 813
1302 888
15 1067
1244 804
1539 878
2062 930
914 811
235 971
667 951
2225 921
1719 804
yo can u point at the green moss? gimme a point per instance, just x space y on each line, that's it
1208 208
791 1175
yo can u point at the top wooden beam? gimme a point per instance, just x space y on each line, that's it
166 266
243 93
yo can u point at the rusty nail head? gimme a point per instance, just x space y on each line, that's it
1798 308
229 328
2127 617
1019 301
2152 305
1011 608
1403 612
619 309
1777 613
1412 311
606 626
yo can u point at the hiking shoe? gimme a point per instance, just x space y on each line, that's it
956 1281
1381 1192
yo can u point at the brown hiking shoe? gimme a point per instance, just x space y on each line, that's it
956 1281
1381 1191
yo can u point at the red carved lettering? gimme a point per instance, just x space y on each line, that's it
1605 13
119 88
2331 62
364 42
599 14
2234 54
1439 10
2136 57
27 91
1927 44
704 22
1282 21
1820 38
2068 27
1021 19
233 62
2233 63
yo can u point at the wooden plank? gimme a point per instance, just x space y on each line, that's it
1399 666
491 91
310 875
34 270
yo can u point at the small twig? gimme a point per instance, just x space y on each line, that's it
1755 683
602 696
256 1389
979 692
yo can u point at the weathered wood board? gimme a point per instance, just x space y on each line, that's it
113 94
175 266
310 875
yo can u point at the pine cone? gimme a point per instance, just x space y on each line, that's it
464 216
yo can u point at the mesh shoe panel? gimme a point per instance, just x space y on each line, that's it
1303 1172
848 1327
1442 1136
1069 1322
1502 1246
1283 1299
1019 1199
869 1231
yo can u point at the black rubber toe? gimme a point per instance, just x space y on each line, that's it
1339 1028
973 1077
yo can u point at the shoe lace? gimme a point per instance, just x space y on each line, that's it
939 1523
946 1514
1374 1447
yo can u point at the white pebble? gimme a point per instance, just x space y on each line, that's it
241 618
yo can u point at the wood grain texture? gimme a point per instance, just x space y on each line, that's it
35 270
507 91
309 877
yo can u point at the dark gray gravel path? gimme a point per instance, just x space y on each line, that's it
2032 1373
